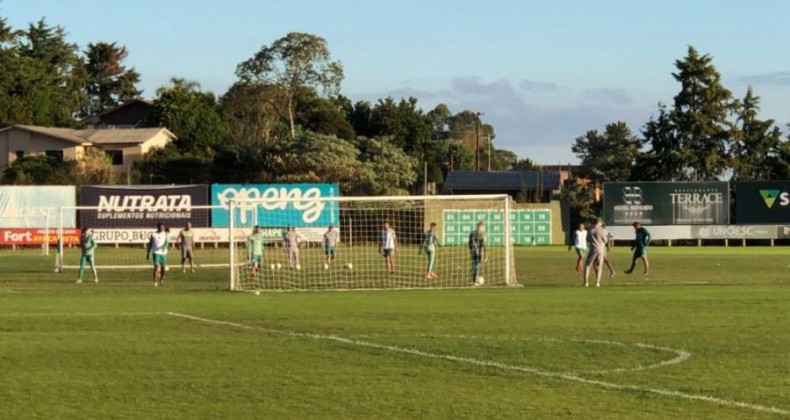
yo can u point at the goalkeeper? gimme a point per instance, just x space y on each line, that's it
87 246
255 243
429 243
477 250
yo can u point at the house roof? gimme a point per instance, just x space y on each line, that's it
89 137
502 181
90 118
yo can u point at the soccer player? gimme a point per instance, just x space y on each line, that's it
606 261
580 244
291 241
158 246
477 250
186 240
429 243
641 242
598 240
255 243
330 243
389 241
88 246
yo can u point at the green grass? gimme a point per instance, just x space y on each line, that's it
110 350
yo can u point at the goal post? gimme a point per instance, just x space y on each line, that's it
291 252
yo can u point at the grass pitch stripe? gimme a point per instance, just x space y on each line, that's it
496 365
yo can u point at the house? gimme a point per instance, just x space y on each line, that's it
123 145
532 186
129 114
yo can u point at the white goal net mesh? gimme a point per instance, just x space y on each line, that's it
343 243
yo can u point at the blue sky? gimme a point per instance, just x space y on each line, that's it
543 71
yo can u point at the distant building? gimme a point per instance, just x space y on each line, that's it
524 186
129 114
124 145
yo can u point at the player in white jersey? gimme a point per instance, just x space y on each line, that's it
330 243
389 241
580 244
158 246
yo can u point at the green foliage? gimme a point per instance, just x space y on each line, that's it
109 82
393 169
607 156
292 63
169 165
525 164
758 150
701 117
40 170
95 168
192 115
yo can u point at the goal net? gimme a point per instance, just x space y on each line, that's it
342 243
122 235
29 234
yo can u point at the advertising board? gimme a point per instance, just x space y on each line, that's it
272 211
666 203
143 207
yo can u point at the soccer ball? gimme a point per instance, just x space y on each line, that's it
272 266
257 292
279 266
298 267
349 265
481 281
326 266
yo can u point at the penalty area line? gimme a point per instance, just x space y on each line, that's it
491 364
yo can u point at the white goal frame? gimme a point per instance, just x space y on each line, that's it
506 206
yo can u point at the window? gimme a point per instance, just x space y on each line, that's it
20 154
56 154
116 156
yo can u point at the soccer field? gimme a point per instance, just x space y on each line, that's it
705 335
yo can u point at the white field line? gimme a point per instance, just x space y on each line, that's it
490 364
68 314
680 354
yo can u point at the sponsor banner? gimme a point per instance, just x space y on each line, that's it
762 202
621 233
142 236
272 212
734 232
143 207
36 206
783 232
666 203
27 236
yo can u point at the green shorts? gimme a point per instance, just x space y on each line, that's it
256 260
640 252
580 251
160 260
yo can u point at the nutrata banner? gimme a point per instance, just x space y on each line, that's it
666 203
22 236
275 205
143 207
762 202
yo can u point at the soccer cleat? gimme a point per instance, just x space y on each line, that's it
79 281
585 284
611 274
156 284
96 280
184 270
597 284
627 271
193 270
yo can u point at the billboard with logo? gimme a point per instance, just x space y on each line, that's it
36 206
666 203
762 202
143 207
273 211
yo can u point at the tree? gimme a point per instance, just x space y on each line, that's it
525 164
503 160
109 82
42 77
393 169
291 63
607 156
325 116
95 168
40 170
758 151
700 117
191 114
251 117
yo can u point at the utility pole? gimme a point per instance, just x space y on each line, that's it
477 141
489 152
